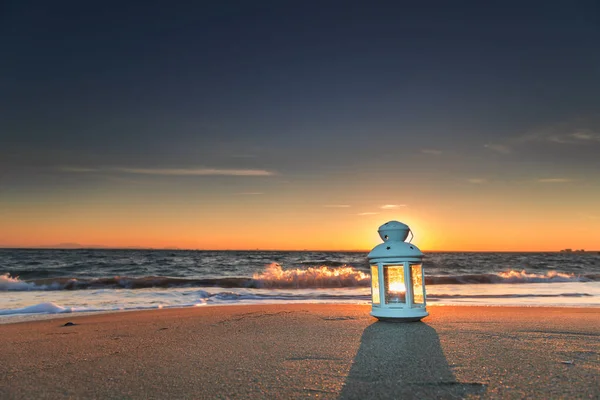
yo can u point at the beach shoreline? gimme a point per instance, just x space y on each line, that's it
305 351
32 317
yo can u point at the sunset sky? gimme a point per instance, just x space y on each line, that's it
300 124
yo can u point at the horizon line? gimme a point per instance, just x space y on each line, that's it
100 247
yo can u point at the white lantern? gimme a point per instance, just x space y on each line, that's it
397 276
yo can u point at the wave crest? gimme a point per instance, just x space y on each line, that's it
274 276
524 277
8 282
510 276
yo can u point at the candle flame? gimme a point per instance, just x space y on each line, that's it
397 287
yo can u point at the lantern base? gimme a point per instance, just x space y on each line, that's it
399 315
399 320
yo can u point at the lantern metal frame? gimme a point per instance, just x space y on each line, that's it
394 252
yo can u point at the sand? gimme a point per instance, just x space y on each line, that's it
305 351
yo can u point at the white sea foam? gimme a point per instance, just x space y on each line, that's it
274 276
8 282
551 276
85 301
43 308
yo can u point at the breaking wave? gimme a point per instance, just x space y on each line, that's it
510 276
274 276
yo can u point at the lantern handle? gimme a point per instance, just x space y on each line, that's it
412 236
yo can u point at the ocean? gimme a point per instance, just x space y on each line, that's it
38 282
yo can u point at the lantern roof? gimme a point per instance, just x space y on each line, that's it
394 249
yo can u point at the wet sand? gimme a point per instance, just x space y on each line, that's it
305 351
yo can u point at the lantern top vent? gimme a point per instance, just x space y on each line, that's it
394 234
393 231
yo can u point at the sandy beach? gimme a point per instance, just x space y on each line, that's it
305 351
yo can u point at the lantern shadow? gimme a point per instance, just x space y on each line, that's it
403 361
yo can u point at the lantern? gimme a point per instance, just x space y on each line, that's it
397 276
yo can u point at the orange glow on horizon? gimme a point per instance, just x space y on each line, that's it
351 237
295 221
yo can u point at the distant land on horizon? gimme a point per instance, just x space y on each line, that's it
77 246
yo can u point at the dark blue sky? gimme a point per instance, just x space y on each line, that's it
100 80
336 95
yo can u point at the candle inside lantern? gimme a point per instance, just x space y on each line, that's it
395 291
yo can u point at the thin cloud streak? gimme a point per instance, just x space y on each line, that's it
554 180
574 132
586 136
337 205
392 206
562 134
367 213
578 137
499 148
195 171
176 171
244 156
435 152
78 169
477 181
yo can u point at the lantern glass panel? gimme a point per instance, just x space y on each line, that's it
375 285
395 288
416 277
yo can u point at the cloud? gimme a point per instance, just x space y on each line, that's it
78 169
571 132
577 137
336 205
554 180
367 213
586 136
588 216
176 171
582 131
477 181
431 151
249 193
499 148
195 171
243 156
392 206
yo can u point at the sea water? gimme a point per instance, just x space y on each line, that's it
36 282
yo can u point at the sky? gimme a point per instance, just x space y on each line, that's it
300 124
